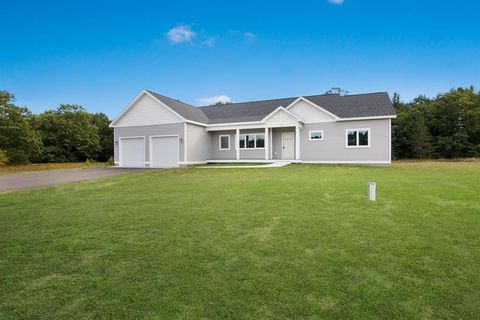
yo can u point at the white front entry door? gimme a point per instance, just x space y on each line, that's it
164 151
288 145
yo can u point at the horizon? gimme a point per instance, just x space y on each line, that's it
101 55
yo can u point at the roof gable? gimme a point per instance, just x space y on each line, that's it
145 110
311 112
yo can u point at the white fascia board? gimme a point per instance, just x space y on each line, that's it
366 118
112 124
313 105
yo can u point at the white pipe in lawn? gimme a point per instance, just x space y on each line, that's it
372 186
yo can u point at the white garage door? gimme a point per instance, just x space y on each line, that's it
132 152
164 151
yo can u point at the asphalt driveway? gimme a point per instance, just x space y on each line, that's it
40 179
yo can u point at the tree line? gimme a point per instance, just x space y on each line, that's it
65 134
444 127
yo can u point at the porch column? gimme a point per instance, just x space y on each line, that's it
237 143
267 143
297 142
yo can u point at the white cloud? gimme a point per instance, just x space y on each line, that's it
181 34
209 41
215 99
336 1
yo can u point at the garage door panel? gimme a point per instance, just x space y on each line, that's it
132 152
164 151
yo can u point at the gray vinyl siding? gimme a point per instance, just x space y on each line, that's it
216 153
199 143
333 147
147 131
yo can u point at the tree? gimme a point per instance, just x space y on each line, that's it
68 134
101 122
337 91
453 120
410 139
19 141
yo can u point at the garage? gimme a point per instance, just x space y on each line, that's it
164 151
132 151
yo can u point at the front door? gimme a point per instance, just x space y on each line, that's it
288 145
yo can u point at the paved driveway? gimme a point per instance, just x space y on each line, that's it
40 179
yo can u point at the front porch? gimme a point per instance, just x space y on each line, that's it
263 144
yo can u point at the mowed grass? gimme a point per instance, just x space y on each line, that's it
297 242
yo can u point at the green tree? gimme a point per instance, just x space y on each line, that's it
105 133
68 134
410 136
453 120
19 141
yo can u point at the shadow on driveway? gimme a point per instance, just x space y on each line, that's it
38 179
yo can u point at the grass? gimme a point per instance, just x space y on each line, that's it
8 169
297 242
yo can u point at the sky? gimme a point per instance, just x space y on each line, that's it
101 54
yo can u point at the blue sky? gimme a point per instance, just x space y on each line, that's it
100 54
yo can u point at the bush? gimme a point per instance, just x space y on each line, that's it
3 156
16 156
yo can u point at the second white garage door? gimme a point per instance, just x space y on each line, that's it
164 151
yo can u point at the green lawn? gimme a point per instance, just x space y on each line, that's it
298 242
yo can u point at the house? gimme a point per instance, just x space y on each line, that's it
157 131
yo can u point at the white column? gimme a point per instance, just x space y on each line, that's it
237 143
297 143
271 142
267 143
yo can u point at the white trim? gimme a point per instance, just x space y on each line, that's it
390 139
185 146
313 105
120 148
220 142
271 142
366 118
150 154
297 143
255 144
358 140
284 110
266 142
130 105
237 143
196 123
310 135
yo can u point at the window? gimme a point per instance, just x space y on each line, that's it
358 138
252 141
224 142
316 135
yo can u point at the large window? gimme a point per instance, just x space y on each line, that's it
358 138
252 141
316 135
224 142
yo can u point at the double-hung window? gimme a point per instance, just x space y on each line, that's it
224 142
357 138
252 141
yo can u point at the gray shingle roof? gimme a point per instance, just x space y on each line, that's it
349 106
